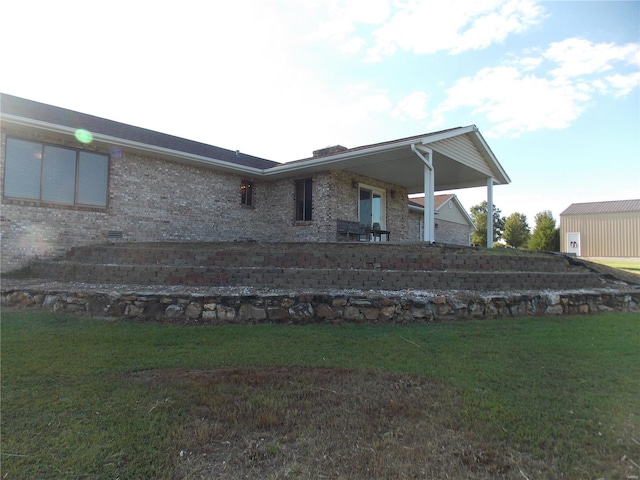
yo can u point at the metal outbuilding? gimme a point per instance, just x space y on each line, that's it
601 229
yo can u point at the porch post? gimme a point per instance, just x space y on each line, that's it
489 212
429 221
426 155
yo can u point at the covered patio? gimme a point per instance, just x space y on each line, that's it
447 160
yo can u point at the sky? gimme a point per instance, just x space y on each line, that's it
553 86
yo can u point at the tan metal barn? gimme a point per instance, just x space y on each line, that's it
601 229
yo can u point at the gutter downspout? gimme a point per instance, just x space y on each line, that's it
429 187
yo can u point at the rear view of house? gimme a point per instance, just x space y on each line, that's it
72 179
601 229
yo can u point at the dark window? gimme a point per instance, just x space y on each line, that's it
48 173
303 200
246 192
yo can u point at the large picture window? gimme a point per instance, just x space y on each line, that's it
303 200
49 173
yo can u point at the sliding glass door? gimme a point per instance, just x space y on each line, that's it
372 207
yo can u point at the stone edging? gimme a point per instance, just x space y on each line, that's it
348 306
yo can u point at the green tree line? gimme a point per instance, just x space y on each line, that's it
514 230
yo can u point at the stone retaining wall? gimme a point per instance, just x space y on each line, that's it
325 266
335 308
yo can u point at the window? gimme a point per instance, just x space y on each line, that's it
303 200
246 193
48 173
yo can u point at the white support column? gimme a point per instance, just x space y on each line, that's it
426 155
489 212
429 205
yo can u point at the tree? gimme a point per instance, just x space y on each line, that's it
516 230
479 217
545 236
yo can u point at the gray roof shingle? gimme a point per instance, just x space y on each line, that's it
20 107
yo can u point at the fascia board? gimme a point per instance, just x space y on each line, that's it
493 158
136 146
448 134
472 129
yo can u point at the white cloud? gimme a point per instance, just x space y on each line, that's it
353 46
549 91
514 102
578 56
623 84
413 107
344 16
455 26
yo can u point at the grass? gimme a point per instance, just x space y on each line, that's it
520 398
630 265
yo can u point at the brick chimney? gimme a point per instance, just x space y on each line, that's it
329 151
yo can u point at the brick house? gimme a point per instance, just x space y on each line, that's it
70 178
453 225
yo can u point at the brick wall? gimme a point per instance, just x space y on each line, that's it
446 232
152 199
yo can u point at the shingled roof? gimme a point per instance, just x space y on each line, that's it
438 200
41 112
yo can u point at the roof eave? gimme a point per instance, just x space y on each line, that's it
139 147
360 152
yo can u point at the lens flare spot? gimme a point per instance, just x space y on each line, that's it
84 136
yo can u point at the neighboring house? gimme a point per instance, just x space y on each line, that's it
601 229
70 178
453 225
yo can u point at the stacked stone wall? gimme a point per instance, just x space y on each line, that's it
327 265
300 308
300 282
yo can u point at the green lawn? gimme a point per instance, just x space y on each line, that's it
564 392
630 265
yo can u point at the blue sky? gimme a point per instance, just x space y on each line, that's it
554 87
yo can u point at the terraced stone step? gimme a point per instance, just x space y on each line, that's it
318 277
325 256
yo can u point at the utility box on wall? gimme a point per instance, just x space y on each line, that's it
573 243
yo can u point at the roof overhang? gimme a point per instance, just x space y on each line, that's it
461 158
107 142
